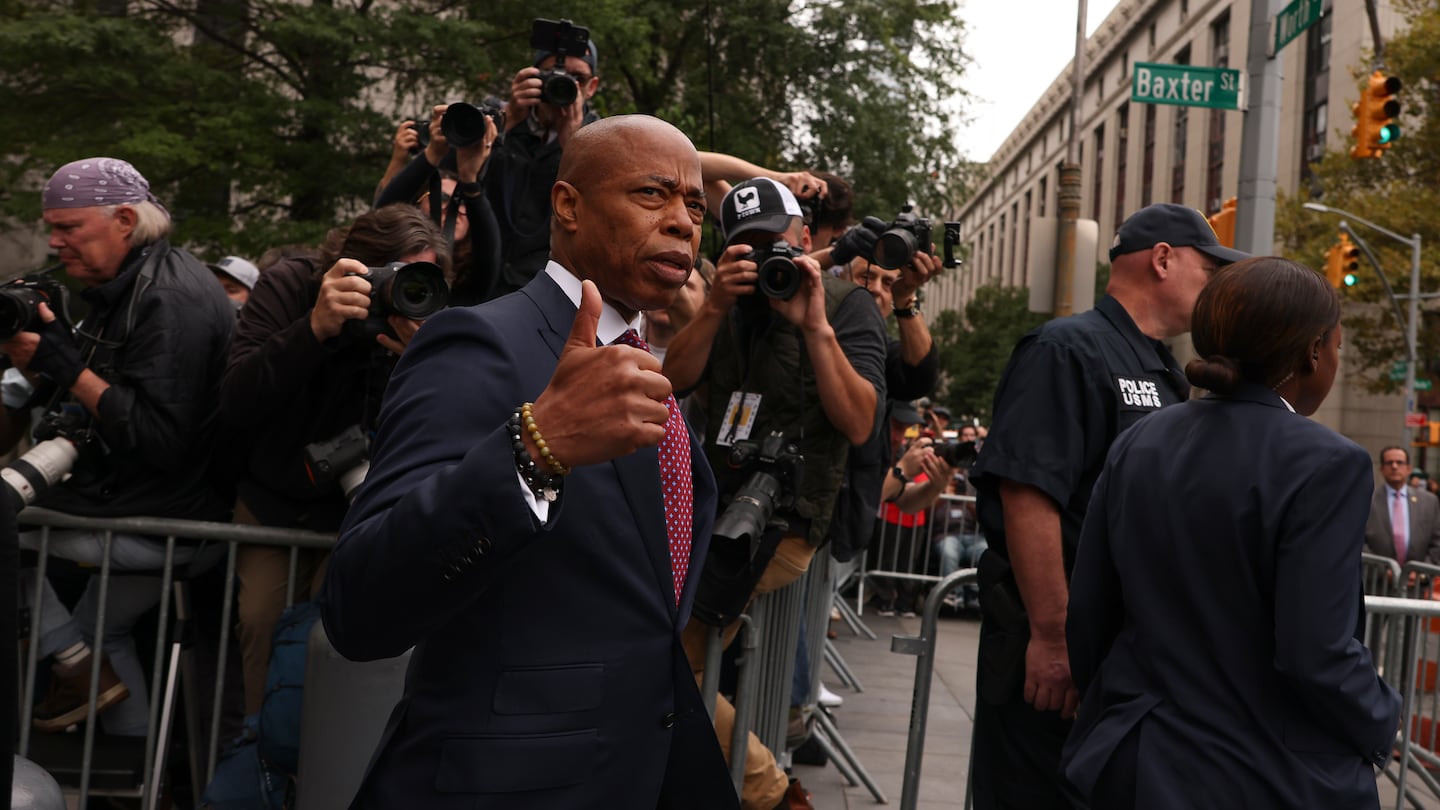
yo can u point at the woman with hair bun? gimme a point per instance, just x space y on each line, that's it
1215 607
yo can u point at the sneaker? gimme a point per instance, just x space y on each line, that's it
952 600
885 608
67 700
795 798
829 699
907 614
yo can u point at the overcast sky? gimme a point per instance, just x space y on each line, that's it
1016 48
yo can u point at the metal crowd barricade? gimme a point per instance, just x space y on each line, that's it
165 675
906 553
1401 632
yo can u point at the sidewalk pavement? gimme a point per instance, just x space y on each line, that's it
876 723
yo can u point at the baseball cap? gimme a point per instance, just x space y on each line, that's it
758 204
1176 225
238 269
589 57
905 413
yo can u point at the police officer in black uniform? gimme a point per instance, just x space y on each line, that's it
1069 389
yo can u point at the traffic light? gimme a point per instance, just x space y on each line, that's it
1375 128
1222 222
1342 261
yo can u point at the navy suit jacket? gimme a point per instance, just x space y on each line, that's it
547 669
1216 609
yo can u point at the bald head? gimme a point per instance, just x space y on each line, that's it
627 208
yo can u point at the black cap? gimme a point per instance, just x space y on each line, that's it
1175 225
759 204
905 413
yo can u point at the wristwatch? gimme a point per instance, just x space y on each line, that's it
899 475
908 312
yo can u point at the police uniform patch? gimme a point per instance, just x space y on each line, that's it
1138 393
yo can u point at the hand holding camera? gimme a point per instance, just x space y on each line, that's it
735 276
806 306
344 295
923 266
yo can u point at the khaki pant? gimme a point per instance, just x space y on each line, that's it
765 783
262 573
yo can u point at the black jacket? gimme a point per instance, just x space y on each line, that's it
164 326
284 389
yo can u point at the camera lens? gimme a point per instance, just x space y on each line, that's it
416 291
17 309
895 248
558 89
779 277
463 124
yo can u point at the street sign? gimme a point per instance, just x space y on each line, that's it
1186 86
1415 420
1422 385
1292 21
1397 371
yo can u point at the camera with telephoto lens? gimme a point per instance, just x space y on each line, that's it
747 532
343 458
416 291
779 276
561 38
20 302
59 437
907 234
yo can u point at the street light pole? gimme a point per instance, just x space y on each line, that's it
1412 326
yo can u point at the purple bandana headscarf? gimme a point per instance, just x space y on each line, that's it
94 182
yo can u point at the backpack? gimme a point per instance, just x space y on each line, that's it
258 773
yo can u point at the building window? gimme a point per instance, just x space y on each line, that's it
1044 198
1025 245
1122 147
1000 252
1215 150
1317 92
1147 163
1014 242
1099 175
1179 140
1184 11
990 254
1152 37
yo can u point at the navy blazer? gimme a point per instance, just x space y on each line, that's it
1216 609
547 670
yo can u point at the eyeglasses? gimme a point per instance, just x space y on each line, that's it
1393 463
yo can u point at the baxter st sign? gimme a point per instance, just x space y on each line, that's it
1187 86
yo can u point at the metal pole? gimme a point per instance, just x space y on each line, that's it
1412 329
1259 137
1068 193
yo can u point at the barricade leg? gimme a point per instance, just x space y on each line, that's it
826 725
842 669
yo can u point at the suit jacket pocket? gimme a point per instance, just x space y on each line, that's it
550 690
510 763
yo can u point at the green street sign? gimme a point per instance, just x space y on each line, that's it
1422 385
1186 86
1292 21
1397 370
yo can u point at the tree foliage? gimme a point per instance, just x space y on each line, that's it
267 121
974 349
1397 192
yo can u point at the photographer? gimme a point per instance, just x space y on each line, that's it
133 388
524 164
810 367
913 484
460 207
307 367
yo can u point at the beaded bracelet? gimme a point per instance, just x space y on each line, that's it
528 416
545 486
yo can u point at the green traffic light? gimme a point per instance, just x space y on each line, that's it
1350 279
1389 133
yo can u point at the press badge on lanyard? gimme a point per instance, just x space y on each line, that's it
739 418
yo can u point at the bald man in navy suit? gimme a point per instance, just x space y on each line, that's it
544 584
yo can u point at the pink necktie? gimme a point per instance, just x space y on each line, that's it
1397 524
675 485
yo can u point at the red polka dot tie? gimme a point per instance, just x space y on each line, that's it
675 485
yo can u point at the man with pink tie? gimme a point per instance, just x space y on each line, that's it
1404 520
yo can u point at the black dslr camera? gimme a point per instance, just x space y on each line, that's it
562 39
343 458
741 545
463 124
20 302
416 290
907 234
779 277
956 453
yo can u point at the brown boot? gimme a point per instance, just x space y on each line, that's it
67 700
795 798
